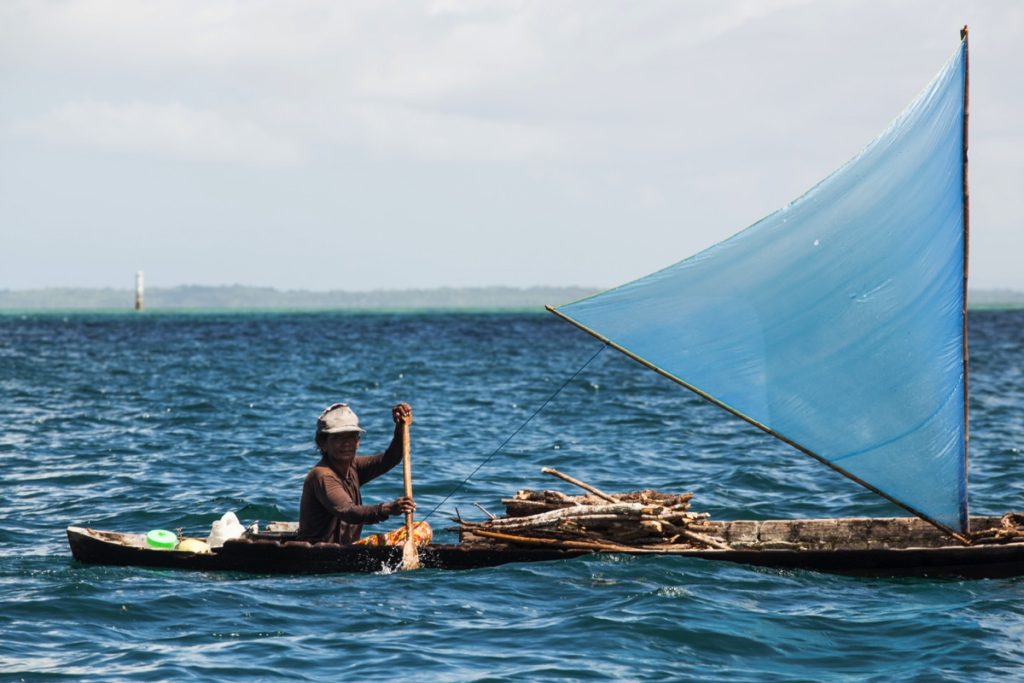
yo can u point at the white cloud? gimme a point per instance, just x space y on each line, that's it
163 130
437 136
459 55
684 121
488 81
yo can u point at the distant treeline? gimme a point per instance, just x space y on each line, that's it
237 297
995 298
192 297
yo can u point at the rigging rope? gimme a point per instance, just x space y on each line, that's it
518 429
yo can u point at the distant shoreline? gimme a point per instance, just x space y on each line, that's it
192 298
241 299
465 310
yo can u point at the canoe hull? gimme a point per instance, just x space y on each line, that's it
861 547
293 557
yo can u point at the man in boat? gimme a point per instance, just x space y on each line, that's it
332 507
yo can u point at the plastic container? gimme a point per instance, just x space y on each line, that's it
162 539
193 545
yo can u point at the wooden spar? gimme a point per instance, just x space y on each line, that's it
764 428
576 482
967 232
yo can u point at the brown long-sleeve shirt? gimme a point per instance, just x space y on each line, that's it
332 508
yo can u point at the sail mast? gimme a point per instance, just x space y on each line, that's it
967 232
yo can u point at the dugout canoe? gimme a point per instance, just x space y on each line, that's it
280 553
881 547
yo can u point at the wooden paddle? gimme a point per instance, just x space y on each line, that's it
410 556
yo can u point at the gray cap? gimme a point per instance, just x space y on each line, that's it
337 419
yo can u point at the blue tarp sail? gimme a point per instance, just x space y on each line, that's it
837 322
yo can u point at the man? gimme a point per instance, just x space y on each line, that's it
332 508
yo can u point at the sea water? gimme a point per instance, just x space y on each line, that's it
136 422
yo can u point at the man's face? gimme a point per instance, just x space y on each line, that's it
341 448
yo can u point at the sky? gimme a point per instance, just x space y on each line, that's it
325 145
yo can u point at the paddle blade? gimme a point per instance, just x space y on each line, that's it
410 556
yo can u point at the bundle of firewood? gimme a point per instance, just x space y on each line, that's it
528 502
618 522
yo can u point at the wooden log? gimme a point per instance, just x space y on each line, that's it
621 509
559 543
627 536
652 525
660 549
546 533
687 515
524 508
578 529
531 502
535 521
645 496
667 499
560 497
527 502
576 482
608 526
524 502
484 510
547 495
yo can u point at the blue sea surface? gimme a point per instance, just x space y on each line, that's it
135 422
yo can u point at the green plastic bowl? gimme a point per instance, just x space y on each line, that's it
161 538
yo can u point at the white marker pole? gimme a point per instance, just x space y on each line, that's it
138 290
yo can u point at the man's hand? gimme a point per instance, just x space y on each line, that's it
400 506
402 413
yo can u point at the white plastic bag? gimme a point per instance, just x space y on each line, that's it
224 529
